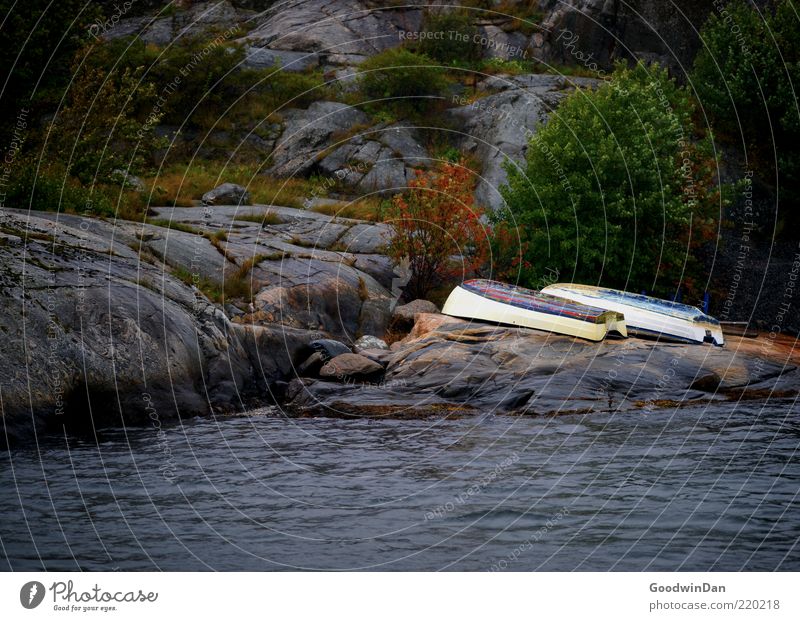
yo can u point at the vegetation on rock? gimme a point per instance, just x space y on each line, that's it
617 187
746 78
397 79
450 37
438 228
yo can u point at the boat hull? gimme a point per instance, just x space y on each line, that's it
646 316
588 323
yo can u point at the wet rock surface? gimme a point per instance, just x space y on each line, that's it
106 323
453 366
345 366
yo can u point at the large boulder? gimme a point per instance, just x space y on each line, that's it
499 127
307 133
329 348
94 335
403 316
369 342
227 194
343 32
380 159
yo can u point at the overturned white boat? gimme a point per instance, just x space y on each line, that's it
646 316
488 300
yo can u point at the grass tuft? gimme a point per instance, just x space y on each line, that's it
372 208
267 218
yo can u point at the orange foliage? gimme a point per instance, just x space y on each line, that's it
439 229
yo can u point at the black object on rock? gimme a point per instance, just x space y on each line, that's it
329 348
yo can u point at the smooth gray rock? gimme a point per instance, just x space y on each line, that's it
92 318
499 127
508 45
403 316
118 309
374 317
365 238
311 365
343 32
196 20
307 133
300 277
379 159
227 194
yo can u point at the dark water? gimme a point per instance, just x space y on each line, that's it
695 489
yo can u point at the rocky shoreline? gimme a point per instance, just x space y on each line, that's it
110 323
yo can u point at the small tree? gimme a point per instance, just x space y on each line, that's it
615 189
437 228
408 83
450 37
106 115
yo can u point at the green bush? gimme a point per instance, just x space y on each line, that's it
106 123
746 78
449 36
407 83
49 190
614 189
204 85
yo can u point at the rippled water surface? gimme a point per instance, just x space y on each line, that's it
695 489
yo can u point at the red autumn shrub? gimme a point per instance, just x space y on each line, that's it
437 227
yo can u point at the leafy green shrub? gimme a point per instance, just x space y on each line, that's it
268 90
746 78
449 36
450 154
408 83
614 189
106 124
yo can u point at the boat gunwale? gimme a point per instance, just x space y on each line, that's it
599 316
683 315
